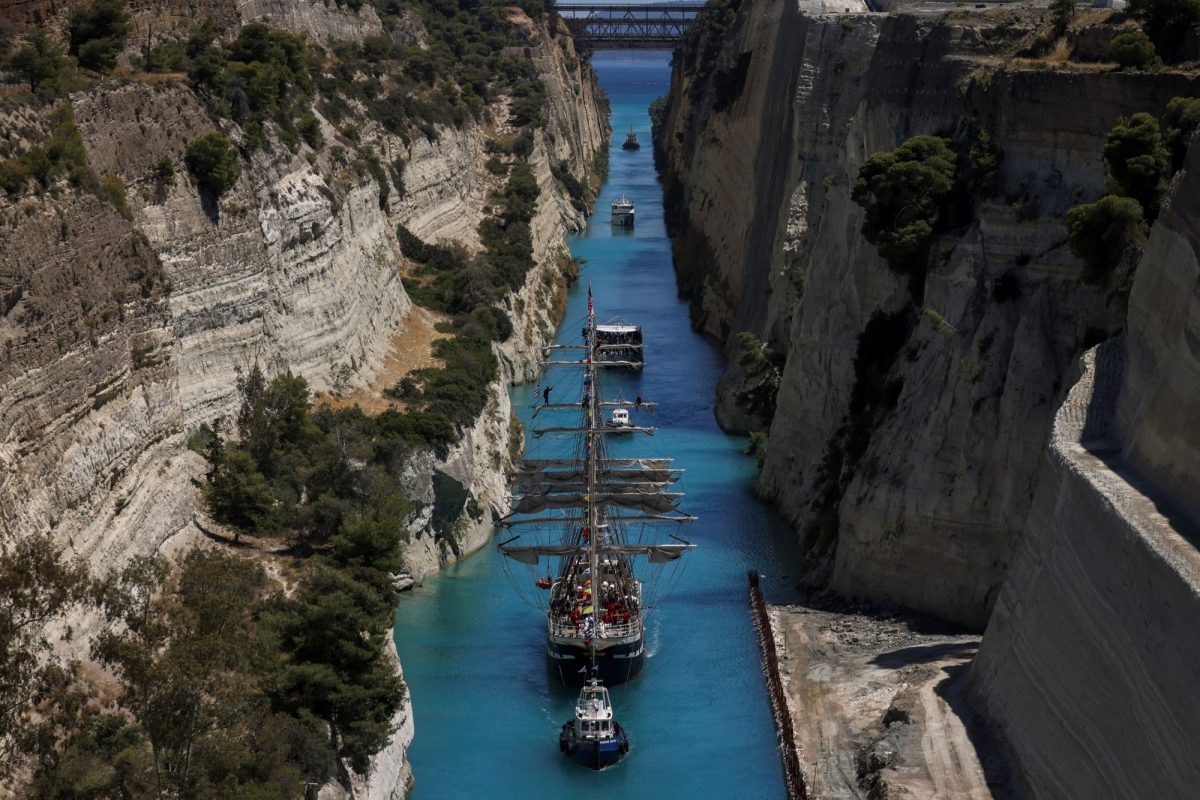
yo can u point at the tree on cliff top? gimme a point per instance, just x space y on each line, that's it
1167 22
41 63
902 191
98 33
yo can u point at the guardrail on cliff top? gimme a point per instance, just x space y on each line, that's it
793 777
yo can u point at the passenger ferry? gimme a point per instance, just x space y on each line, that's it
623 212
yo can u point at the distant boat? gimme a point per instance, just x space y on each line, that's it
617 340
631 142
622 212
593 738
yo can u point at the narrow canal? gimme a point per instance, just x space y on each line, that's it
487 715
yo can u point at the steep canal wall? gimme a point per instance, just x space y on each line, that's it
1099 621
124 329
922 441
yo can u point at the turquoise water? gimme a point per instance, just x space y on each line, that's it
487 715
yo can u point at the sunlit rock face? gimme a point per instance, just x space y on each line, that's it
921 498
120 336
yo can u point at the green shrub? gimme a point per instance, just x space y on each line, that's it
762 372
1062 12
985 158
112 189
97 33
1132 50
214 163
41 63
1179 125
310 129
579 194
1106 235
164 171
13 176
902 191
1137 160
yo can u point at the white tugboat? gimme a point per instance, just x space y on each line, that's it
623 212
593 738
620 421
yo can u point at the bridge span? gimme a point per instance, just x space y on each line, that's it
613 25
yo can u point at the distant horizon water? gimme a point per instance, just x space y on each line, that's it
486 712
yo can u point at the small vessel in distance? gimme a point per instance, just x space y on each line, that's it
617 341
593 738
622 212
631 142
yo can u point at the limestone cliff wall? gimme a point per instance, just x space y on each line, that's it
118 337
928 511
1088 665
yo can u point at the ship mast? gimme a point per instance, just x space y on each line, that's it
593 441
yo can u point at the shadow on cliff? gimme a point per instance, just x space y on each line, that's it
923 654
993 756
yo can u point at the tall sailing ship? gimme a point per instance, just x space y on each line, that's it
597 516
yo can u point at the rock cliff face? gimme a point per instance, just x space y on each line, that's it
897 501
118 337
1089 662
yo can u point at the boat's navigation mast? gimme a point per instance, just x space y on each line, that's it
592 416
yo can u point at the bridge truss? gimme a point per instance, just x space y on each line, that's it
629 25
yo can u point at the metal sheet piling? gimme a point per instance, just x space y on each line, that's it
793 777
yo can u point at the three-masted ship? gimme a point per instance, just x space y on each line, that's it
598 516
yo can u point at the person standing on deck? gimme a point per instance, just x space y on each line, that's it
546 395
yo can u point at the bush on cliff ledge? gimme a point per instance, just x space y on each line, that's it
214 162
98 33
1137 160
902 192
1132 50
1107 235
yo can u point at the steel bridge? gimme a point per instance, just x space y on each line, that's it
611 25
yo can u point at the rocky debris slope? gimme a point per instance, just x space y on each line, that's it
1088 665
877 702
874 453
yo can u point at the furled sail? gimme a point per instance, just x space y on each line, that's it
656 553
650 502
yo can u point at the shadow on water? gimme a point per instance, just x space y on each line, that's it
486 708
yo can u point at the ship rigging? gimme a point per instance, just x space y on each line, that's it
584 511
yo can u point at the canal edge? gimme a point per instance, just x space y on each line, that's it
784 731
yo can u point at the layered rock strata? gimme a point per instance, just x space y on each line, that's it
919 497
120 336
1088 665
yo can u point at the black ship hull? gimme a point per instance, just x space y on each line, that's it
615 664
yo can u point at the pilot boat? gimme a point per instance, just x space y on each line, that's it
593 738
